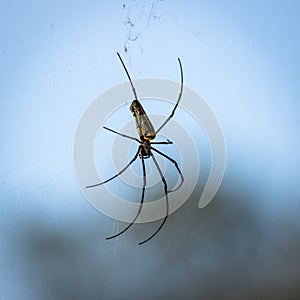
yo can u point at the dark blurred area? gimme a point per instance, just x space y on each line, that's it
229 249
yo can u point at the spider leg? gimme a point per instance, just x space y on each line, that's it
167 201
168 142
141 203
179 97
119 173
127 73
122 134
176 165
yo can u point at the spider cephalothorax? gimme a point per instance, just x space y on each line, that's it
145 149
146 134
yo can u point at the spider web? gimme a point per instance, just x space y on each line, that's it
137 17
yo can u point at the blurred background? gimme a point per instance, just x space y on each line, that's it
242 57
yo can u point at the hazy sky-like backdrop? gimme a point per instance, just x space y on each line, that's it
242 57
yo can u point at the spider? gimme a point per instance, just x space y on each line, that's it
145 150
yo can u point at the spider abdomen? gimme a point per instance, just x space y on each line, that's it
143 124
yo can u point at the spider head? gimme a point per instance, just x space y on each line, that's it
145 149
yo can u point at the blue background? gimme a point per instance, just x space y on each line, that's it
242 57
